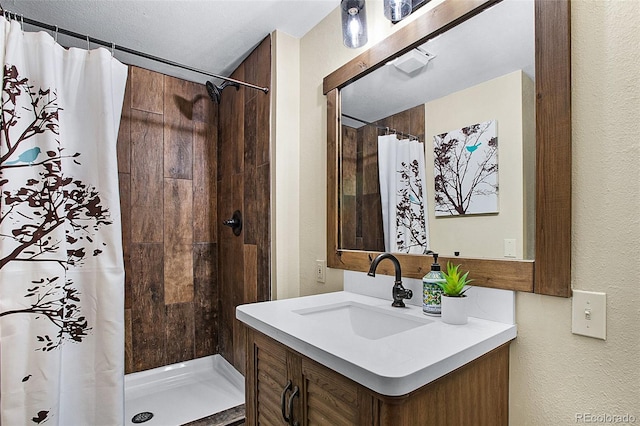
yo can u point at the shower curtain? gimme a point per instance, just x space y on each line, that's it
61 266
403 194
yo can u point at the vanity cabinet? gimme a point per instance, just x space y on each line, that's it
279 380
285 387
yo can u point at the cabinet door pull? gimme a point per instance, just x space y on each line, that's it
283 398
295 393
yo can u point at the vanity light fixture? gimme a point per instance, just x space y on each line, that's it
396 10
354 23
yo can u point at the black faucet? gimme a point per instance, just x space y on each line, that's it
398 292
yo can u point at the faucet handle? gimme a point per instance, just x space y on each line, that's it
399 293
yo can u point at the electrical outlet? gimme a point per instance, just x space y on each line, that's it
509 247
321 268
589 314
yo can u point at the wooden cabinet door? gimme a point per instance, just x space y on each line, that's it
323 396
329 398
266 377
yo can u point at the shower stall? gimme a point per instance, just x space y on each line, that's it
199 392
189 156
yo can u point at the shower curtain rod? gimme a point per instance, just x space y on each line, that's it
388 129
124 49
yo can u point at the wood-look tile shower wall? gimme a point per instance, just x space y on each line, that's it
244 184
167 165
185 272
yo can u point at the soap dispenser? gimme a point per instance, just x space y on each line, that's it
431 291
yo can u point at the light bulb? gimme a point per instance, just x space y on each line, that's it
354 23
354 26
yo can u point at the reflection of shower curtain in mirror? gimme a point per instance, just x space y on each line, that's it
403 195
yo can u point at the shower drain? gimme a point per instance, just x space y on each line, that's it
145 416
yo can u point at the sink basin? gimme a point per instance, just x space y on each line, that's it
365 321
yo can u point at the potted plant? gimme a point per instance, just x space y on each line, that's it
454 301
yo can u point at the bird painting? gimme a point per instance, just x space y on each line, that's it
472 148
28 156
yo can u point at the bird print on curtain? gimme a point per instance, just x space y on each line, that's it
35 211
61 260
28 156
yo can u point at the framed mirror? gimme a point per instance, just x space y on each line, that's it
543 267
480 73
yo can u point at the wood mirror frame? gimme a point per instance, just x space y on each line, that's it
550 272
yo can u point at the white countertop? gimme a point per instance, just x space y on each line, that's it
394 365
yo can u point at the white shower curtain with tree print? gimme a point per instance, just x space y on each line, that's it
403 195
61 266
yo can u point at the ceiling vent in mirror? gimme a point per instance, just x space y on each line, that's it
413 60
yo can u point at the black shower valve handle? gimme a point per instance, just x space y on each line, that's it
231 222
235 223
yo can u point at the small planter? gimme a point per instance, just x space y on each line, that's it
454 309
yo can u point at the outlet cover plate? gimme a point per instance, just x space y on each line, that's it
509 247
589 314
321 271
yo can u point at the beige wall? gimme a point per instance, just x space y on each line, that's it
285 149
501 99
554 374
321 52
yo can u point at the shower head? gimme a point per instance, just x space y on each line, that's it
215 92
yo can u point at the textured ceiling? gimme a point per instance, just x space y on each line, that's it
211 35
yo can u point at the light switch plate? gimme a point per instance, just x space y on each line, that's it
589 314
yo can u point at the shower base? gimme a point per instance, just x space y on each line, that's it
181 393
